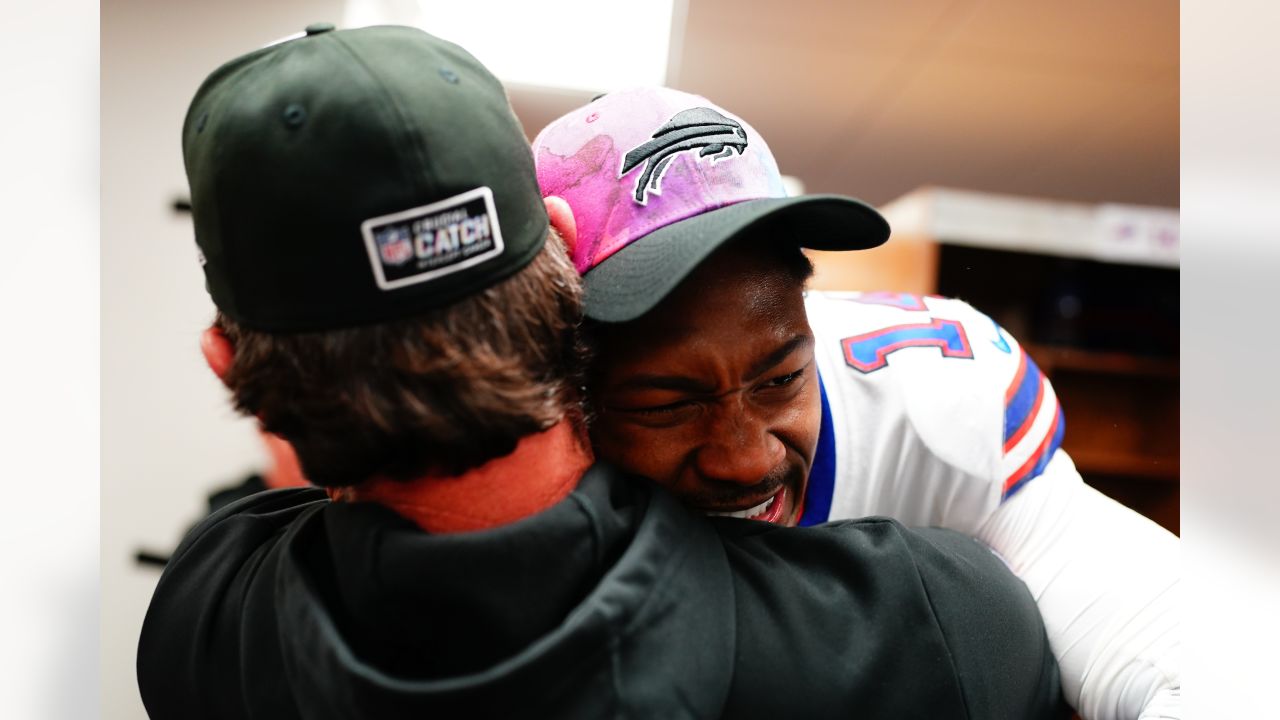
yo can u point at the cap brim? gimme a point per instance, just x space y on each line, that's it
633 280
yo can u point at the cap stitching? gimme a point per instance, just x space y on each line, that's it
399 119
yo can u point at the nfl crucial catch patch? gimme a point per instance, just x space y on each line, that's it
423 243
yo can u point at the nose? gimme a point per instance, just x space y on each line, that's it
739 448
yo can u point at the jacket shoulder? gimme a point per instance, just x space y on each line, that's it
189 651
885 622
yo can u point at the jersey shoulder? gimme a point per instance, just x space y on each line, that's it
967 388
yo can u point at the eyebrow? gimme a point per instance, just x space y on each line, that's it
767 363
681 383
676 383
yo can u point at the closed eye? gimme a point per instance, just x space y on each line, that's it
784 380
659 409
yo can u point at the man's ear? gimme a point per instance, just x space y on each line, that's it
562 220
217 350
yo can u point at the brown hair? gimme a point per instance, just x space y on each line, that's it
442 392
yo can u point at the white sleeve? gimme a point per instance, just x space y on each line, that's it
1106 581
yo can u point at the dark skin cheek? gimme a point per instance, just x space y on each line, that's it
798 423
635 451
807 419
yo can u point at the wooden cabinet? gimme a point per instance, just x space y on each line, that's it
1122 424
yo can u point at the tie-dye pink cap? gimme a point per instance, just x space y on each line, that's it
658 179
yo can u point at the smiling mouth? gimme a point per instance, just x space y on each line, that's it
768 511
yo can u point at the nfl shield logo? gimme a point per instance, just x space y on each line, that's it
394 245
423 243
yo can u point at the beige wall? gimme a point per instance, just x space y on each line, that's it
904 264
167 432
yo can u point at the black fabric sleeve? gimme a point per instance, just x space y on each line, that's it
991 625
866 618
190 648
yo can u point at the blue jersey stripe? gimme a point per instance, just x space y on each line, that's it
1045 457
822 477
1019 408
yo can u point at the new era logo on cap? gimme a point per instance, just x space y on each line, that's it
422 243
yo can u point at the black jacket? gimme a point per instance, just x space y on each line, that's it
616 602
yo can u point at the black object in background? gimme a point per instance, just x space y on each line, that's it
218 499
1085 304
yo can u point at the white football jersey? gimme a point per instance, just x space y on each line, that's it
933 415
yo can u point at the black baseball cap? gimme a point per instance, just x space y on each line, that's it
659 179
351 177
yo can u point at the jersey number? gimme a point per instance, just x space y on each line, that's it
870 351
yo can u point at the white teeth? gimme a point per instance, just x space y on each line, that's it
749 512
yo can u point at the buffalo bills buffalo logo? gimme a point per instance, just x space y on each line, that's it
717 135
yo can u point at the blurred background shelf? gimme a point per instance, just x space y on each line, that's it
1073 359
1136 466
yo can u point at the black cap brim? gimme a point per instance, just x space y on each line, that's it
633 280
